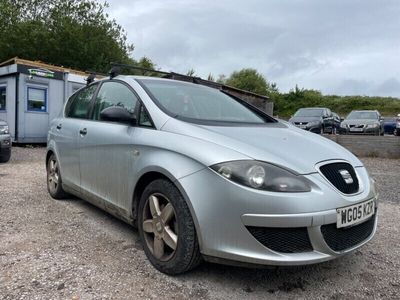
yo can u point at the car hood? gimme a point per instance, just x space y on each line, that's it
3 123
360 121
278 143
304 119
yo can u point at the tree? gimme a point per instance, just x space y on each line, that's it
71 33
250 80
191 72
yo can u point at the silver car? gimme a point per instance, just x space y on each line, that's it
363 122
204 175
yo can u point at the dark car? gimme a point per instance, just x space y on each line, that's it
314 119
5 142
363 122
389 125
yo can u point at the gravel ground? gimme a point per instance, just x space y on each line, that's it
72 250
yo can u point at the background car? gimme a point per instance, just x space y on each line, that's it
389 125
314 119
363 122
5 142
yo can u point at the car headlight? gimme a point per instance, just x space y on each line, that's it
372 125
4 129
343 125
262 176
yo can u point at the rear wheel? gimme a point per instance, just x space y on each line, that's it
167 229
54 183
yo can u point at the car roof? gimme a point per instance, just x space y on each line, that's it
366 110
313 108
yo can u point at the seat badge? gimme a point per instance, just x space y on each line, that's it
346 176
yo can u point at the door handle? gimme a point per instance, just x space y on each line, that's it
83 131
59 126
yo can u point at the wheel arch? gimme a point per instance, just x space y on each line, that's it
145 179
48 154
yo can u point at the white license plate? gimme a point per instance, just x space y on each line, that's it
356 129
350 215
302 126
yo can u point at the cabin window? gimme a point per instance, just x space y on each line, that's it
37 99
3 94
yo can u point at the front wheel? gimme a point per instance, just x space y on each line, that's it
54 183
5 158
167 229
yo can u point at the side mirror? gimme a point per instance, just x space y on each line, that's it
117 114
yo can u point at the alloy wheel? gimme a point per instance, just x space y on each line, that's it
160 227
53 175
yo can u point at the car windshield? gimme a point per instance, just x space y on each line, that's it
309 112
357 115
196 102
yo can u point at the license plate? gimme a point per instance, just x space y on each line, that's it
350 215
302 126
356 129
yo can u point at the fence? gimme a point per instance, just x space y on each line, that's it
369 146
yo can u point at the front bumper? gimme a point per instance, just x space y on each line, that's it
315 128
365 131
224 213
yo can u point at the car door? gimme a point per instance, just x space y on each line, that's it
107 152
328 119
67 134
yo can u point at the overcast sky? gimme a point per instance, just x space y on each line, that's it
336 46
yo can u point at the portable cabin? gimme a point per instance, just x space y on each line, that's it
32 94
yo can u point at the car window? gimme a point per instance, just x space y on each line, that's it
144 118
113 93
79 103
362 115
197 103
309 112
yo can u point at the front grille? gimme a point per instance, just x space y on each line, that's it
285 240
339 239
300 123
332 173
356 126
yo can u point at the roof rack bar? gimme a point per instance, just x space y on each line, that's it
181 77
125 66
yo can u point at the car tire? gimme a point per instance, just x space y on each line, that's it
54 182
167 229
5 158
